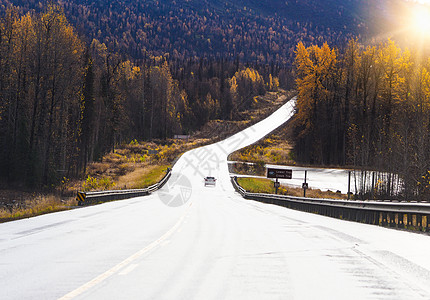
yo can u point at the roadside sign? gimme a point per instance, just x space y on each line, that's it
181 137
279 173
81 198
305 185
276 184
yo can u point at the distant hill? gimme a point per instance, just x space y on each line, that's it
261 31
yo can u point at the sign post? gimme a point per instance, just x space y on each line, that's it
276 184
349 185
305 185
279 173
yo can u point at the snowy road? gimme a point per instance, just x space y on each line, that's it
191 242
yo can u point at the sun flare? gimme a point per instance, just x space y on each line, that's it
421 20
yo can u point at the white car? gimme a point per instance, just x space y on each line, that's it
210 180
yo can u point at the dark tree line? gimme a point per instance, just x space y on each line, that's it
64 103
368 107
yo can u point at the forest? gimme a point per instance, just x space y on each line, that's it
260 32
80 78
64 103
368 107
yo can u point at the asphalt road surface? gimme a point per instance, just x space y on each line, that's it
188 241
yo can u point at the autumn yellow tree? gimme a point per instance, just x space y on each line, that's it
316 74
41 72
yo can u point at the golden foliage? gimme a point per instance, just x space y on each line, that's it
315 69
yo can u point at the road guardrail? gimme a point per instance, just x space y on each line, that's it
85 198
408 215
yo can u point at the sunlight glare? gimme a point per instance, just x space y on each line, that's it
421 20
425 2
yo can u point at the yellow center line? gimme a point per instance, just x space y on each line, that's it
102 277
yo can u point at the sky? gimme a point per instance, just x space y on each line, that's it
426 2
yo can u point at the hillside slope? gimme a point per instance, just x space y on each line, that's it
255 31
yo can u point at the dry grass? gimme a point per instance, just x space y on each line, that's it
260 185
142 177
312 193
256 185
271 150
135 165
35 206
219 129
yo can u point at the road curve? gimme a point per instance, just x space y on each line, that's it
188 241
